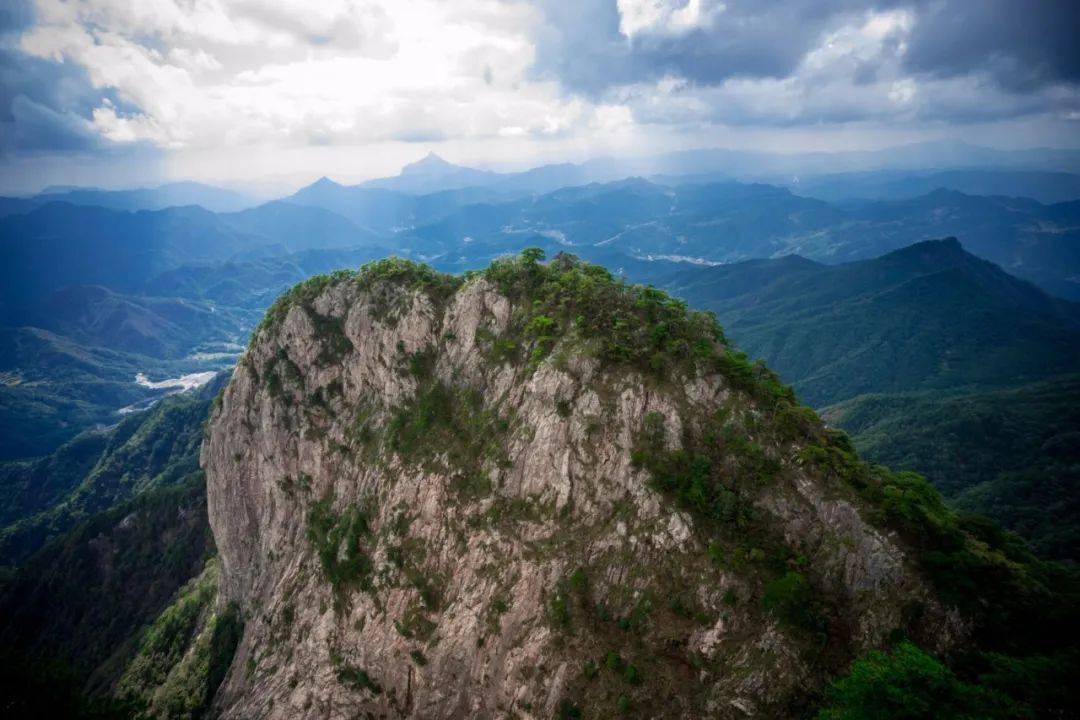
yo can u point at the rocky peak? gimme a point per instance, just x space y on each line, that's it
430 163
536 491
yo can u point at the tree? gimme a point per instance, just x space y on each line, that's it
532 255
909 684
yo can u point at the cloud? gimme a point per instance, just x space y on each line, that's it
833 61
199 76
44 105
666 17
193 75
1021 46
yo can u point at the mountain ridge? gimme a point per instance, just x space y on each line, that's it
489 411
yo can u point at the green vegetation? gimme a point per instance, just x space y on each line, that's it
153 449
83 599
164 643
185 654
358 679
975 566
908 684
615 321
414 625
337 541
302 294
408 275
452 424
1012 455
935 361
927 317
792 599
54 387
698 480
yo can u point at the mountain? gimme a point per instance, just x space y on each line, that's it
84 356
1046 187
374 209
934 361
1009 454
178 194
383 210
467 477
929 316
540 467
47 248
724 222
158 327
818 169
288 228
52 388
433 174
930 155
255 283
146 450
114 532
172 195
76 613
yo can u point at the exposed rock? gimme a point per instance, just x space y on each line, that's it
514 561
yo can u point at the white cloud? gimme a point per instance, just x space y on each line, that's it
295 72
666 17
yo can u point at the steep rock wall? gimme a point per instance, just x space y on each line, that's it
419 518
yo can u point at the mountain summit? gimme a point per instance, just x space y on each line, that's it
430 164
432 174
538 490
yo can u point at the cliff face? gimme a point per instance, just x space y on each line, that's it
500 497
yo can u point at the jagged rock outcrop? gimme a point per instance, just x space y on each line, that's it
527 493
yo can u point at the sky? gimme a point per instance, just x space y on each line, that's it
118 93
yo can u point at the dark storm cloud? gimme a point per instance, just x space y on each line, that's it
1022 46
38 98
44 105
749 38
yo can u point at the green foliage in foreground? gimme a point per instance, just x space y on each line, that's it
87 594
164 643
908 684
184 655
622 323
1025 611
972 563
71 616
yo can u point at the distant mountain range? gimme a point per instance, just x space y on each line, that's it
433 174
50 246
179 194
1046 187
929 316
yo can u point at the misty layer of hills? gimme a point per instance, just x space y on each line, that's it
839 280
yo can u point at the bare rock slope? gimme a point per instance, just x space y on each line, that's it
535 492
